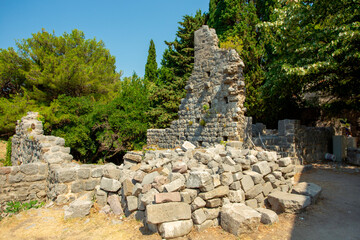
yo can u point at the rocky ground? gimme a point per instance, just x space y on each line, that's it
335 216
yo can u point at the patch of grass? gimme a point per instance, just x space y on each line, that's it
14 207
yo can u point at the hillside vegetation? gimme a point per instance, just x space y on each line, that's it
291 50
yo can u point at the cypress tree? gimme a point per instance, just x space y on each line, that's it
151 64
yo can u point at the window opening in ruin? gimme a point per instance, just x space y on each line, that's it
226 100
209 104
200 143
197 120
203 41
208 74
225 138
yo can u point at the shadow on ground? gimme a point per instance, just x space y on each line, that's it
336 214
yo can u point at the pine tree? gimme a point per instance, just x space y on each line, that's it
177 65
151 64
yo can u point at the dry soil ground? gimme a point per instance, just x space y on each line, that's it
336 215
2 149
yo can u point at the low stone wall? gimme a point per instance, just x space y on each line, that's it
23 183
302 144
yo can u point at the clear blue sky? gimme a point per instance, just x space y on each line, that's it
126 27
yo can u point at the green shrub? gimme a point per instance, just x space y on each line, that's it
14 207
202 123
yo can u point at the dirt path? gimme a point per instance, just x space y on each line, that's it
335 216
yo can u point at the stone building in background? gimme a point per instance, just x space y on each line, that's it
213 109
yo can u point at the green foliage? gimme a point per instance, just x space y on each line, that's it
12 77
314 48
202 122
121 124
177 65
191 123
7 161
14 207
151 64
68 64
13 109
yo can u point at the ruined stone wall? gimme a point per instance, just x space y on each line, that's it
23 183
303 144
213 109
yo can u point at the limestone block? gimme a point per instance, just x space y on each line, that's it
267 216
247 183
137 189
147 199
115 205
65 175
211 213
215 193
97 172
187 146
139 176
192 192
127 187
132 203
90 185
201 180
175 229
238 176
288 169
206 224
287 202
237 219
267 188
29 169
261 167
235 185
254 191
197 203
256 177
213 203
198 216
83 173
167 197
110 185
16 178
180 167
308 189
133 157
78 208
168 212
111 171
284 162
176 185
149 178
237 196
77 187
251 203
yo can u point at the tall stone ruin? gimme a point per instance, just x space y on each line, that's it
213 109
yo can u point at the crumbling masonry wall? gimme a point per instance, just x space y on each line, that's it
213 109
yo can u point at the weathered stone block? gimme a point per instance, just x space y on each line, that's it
215 193
114 202
167 197
201 180
261 167
287 202
132 203
198 216
236 196
29 169
308 189
110 185
267 216
237 219
168 212
254 191
247 183
175 229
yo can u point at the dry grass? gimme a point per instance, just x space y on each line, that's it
2 150
49 223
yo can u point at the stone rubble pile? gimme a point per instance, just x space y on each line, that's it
172 191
